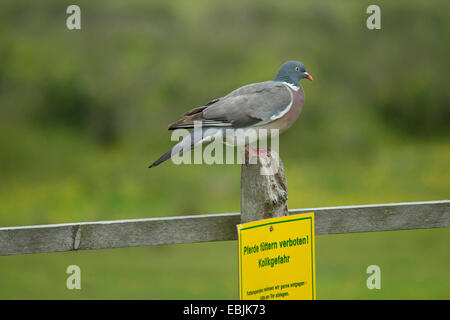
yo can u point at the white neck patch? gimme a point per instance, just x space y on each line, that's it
291 86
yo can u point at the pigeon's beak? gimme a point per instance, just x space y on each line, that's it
308 76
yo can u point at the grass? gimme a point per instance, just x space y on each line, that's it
414 265
114 184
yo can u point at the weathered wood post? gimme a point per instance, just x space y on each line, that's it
263 195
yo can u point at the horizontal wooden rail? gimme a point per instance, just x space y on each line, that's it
214 227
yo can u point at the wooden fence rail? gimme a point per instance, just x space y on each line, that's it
262 196
214 227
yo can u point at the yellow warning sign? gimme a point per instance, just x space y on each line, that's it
276 258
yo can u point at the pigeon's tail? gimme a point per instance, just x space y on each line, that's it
164 157
185 144
189 142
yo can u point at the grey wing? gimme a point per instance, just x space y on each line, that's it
246 106
251 104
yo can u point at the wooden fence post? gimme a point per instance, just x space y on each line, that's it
263 196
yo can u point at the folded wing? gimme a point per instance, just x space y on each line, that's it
247 106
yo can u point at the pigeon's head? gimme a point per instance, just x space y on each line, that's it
292 72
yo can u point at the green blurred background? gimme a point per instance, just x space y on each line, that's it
83 113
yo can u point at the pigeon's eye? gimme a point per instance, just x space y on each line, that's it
296 69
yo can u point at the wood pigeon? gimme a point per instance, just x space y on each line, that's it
274 104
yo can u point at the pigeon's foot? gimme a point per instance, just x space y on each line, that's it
256 153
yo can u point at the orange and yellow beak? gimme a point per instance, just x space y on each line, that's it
308 76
